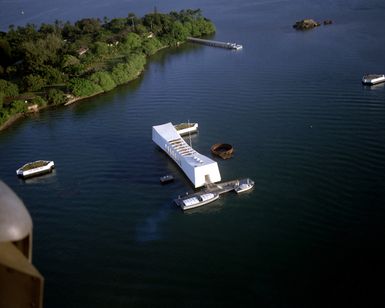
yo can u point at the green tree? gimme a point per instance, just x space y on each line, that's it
55 97
120 73
38 100
34 82
104 80
8 88
52 75
70 31
88 25
132 41
69 60
18 106
42 51
179 32
1 100
5 52
101 49
117 24
151 45
47 29
84 87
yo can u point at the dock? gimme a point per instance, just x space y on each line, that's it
226 45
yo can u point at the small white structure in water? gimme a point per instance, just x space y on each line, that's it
199 169
35 168
372 79
186 128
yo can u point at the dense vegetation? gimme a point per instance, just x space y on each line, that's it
60 61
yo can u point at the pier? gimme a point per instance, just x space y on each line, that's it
227 45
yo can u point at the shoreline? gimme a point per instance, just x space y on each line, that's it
13 119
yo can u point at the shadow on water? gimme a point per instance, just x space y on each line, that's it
376 87
150 229
42 179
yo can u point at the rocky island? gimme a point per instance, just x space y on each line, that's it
57 64
306 24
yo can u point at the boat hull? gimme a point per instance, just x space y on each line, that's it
25 174
372 80
241 190
244 185
184 207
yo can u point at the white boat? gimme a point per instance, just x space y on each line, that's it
196 200
186 128
372 79
244 186
236 46
35 168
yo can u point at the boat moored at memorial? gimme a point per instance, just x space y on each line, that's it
195 200
244 185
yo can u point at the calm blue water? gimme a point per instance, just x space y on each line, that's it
310 234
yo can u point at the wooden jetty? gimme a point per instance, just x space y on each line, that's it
227 45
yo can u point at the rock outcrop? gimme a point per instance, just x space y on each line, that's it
306 24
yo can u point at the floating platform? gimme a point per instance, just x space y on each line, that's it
200 169
226 45
35 168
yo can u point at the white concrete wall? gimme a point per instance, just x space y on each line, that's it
196 174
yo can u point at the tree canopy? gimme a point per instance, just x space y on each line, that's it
60 60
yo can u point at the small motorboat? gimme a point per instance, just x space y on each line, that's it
243 186
372 79
192 201
166 178
223 150
35 168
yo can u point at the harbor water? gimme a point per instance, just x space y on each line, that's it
311 136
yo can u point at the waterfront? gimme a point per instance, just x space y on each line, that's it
303 128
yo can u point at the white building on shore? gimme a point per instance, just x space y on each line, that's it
198 168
